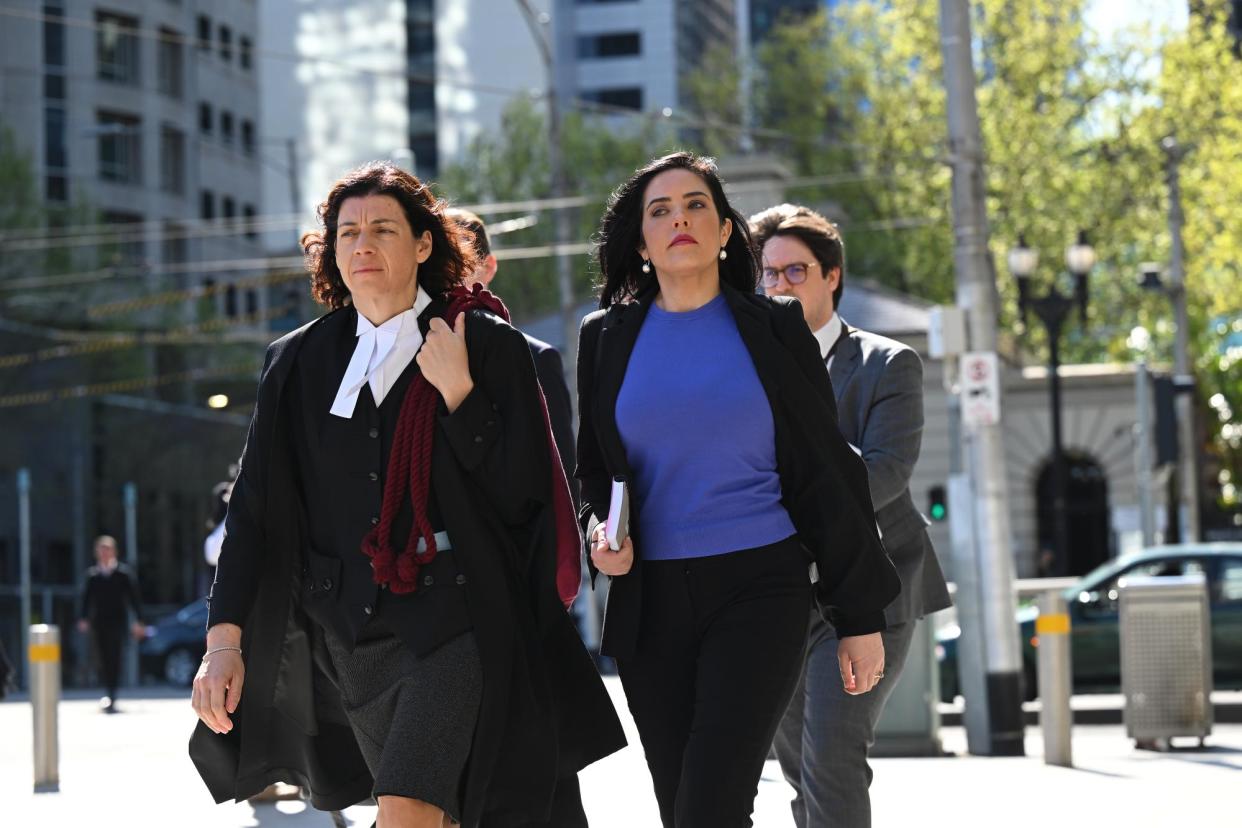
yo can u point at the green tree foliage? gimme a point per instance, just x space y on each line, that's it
19 193
24 216
1071 126
1220 372
48 286
513 165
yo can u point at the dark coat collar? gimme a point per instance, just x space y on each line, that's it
846 358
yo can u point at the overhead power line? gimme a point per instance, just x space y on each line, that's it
75 392
680 117
188 335
122 232
290 268
168 297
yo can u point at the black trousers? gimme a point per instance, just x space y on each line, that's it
108 642
719 652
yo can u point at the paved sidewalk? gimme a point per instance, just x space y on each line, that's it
132 770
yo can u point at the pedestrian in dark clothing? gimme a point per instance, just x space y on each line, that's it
548 364
713 405
110 594
6 672
551 372
387 590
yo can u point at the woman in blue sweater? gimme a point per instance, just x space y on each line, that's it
712 402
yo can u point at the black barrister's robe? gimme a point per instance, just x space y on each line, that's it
545 713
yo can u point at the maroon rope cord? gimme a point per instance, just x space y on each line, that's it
409 471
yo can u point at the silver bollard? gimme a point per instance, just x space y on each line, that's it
44 658
1055 679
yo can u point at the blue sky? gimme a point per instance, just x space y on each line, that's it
1107 16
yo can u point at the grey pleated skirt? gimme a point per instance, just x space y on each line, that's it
413 717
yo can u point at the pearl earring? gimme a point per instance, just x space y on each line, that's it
724 254
646 266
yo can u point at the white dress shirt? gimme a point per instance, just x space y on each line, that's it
380 356
828 336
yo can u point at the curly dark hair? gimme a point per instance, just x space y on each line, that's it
808 227
452 253
620 232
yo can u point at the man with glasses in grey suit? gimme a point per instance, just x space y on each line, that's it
826 733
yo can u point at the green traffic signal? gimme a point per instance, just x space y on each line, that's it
937 503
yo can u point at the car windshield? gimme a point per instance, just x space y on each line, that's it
1101 574
1172 563
1102 595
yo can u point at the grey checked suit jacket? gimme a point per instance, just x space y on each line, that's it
879 388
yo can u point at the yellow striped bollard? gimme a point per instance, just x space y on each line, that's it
1052 627
44 675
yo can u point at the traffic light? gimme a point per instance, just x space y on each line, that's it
1166 421
937 503
1166 391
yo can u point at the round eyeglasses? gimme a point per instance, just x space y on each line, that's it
795 273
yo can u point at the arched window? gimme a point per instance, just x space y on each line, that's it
1088 529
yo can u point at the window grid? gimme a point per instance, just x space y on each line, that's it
116 48
170 63
225 35
120 148
172 160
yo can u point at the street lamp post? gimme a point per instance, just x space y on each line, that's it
540 24
1182 494
1053 308
1188 479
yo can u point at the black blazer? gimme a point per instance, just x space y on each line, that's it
545 712
551 372
823 482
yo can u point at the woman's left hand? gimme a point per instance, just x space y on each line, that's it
861 659
444 361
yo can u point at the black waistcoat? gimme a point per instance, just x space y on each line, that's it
342 468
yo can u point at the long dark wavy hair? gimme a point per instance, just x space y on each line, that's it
452 253
620 232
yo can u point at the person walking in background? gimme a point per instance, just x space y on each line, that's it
825 735
109 596
386 618
551 372
220 494
7 672
548 365
713 406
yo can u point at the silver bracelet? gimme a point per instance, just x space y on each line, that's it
220 650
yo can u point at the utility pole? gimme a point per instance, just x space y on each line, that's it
1188 478
295 194
129 493
540 28
23 542
1052 310
746 77
1142 452
983 561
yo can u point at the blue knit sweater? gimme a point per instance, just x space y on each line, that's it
699 437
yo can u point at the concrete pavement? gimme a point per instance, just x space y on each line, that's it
131 769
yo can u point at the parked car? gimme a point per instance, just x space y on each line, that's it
1093 609
174 647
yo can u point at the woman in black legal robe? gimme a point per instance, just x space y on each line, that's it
386 621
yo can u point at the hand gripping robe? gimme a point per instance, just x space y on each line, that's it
293 575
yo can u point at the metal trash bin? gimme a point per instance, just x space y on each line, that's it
1166 658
